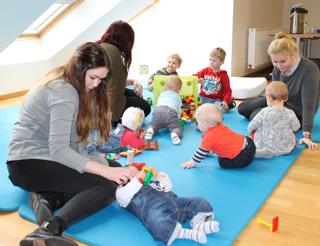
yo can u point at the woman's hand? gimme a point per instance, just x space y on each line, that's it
137 88
119 175
307 141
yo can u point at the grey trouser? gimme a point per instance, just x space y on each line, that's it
165 117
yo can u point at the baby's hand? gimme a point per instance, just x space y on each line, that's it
187 165
140 175
201 81
157 174
224 105
142 134
150 81
307 141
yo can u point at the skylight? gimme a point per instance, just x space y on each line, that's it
48 16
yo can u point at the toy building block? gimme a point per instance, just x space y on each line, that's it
145 168
149 145
147 178
141 131
189 87
273 226
149 100
110 156
139 165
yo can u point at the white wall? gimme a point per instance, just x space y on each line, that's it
313 7
251 14
190 28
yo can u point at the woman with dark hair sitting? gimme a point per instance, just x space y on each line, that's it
47 151
118 42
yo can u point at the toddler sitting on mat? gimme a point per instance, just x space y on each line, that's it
125 134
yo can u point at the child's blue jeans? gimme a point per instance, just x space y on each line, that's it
217 102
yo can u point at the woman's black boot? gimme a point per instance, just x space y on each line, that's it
48 234
44 204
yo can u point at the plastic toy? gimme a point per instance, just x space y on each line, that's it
144 69
139 165
145 168
151 88
149 145
110 156
273 226
136 152
189 87
149 100
147 178
141 131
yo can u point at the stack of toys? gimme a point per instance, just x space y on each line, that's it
188 109
149 174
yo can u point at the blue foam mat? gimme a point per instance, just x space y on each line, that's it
11 197
235 195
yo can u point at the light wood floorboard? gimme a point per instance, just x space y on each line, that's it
296 200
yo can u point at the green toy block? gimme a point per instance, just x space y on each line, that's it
147 178
189 87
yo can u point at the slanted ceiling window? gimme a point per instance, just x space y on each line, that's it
47 18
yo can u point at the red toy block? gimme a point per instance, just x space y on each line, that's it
139 165
275 222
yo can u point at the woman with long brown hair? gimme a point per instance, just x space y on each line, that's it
47 151
118 42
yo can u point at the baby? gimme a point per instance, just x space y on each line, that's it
162 212
274 127
233 150
124 136
168 111
174 62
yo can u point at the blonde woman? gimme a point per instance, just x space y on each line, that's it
301 76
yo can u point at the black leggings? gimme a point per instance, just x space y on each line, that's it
251 107
135 101
85 193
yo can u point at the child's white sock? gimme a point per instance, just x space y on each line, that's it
207 227
263 153
175 138
149 134
196 236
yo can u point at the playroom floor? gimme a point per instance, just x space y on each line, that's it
296 200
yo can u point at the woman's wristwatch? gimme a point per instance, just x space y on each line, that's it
307 135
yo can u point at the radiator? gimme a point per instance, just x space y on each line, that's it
258 43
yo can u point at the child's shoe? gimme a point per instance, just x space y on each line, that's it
149 134
175 138
231 104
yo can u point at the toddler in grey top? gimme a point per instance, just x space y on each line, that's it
273 128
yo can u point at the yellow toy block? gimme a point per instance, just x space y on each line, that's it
189 87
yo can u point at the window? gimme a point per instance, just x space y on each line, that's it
49 17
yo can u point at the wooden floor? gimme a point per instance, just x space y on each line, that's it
296 200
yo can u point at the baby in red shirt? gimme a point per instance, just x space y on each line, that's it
233 150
